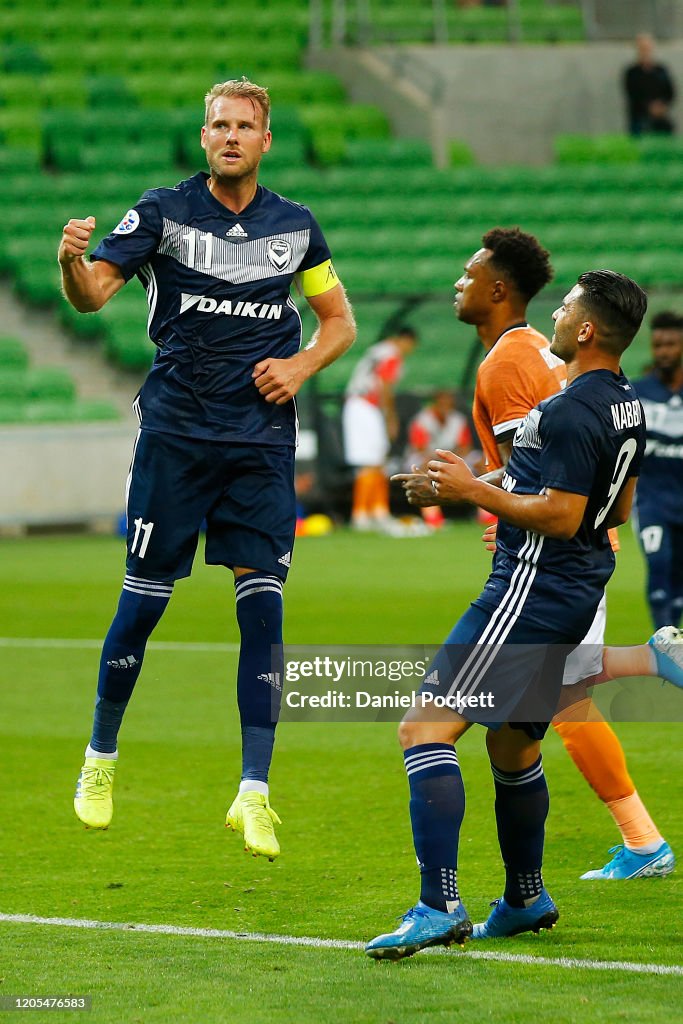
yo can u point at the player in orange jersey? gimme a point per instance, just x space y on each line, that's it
517 372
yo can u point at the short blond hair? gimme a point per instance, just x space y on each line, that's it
243 88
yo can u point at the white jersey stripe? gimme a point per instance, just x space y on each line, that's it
502 620
130 469
146 272
237 263
506 622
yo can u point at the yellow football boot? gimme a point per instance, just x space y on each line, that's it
252 815
93 800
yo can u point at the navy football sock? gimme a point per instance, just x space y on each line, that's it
258 597
437 807
521 810
141 605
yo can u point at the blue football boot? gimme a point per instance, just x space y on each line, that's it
667 643
420 927
506 920
631 864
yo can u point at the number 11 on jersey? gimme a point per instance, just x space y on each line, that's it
191 238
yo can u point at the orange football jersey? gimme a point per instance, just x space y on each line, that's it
515 375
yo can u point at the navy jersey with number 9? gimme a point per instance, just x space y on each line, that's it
588 439
218 288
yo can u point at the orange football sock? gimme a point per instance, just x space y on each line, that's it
596 751
362 493
379 501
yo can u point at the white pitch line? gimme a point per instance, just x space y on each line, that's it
303 940
30 642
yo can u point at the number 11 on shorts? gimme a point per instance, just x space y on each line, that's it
144 530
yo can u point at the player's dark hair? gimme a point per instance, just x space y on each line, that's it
667 320
617 304
520 258
406 331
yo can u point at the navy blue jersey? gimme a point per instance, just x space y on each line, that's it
588 439
661 478
218 287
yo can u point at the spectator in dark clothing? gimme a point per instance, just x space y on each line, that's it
649 92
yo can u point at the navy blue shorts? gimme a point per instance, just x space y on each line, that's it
518 680
244 494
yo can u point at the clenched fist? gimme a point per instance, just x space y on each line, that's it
75 239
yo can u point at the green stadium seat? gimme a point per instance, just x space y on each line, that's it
590 149
332 128
95 410
13 354
22 58
69 411
19 131
13 385
10 412
109 92
662 149
48 411
86 326
477 25
12 157
389 153
49 384
127 344
38 283
402 24
459 153
557 24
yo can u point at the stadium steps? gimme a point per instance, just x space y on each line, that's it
54 366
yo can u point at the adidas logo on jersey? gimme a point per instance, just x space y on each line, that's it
236 231
432 679
272 678
286 559
205 304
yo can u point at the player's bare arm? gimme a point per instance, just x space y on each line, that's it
505 450
554 513
87 286
278 380
420 493
387 404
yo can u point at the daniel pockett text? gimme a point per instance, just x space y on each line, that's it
394 701
370 683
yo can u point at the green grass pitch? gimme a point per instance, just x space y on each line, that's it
348 868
